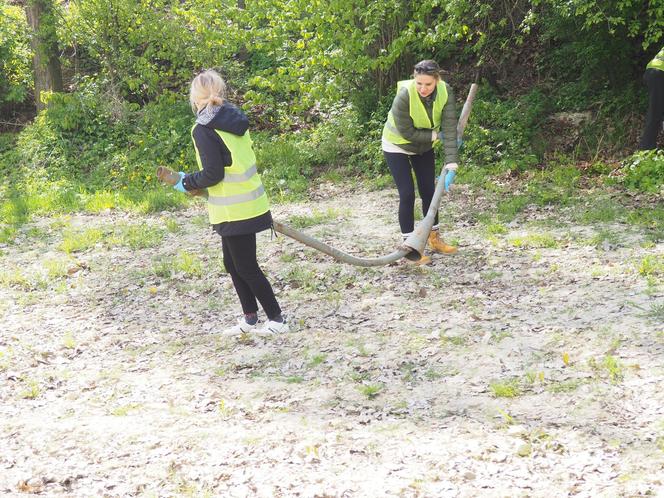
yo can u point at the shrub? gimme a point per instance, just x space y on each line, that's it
644 170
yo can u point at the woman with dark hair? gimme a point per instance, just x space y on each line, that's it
423 111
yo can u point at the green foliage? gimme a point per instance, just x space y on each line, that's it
317 79
502 131
15 54
644 170
142 48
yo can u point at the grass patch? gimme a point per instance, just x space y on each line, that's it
316 360
184 263
602 211
124 410
77 241
135 236
605 237
566 386
14 277
56 268
316 218
505 389
496 229
535 241
507 210
299 277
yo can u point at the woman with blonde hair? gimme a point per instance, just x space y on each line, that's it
423 111
237 204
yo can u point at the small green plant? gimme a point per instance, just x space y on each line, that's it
300 277
294 379
224 410
56 268
533 377
163 267
491 275
656 312
496 229
610 365
287 257
31 388
316 360
371 390
613 368
505 389
68 340
172 225
432 374
651 265
189 264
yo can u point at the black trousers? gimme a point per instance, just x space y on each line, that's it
248 279
654 80
401 166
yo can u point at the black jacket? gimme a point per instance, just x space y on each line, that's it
215 157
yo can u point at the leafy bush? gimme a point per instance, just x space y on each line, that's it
15 54
501 130
644 170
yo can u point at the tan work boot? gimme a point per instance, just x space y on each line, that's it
437 245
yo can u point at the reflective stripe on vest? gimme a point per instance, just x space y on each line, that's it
235 199
418 112
241 194
657 62
240 177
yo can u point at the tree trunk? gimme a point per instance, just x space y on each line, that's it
242 54
46 65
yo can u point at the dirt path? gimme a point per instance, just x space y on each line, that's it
530 364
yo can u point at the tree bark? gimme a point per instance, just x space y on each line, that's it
46 64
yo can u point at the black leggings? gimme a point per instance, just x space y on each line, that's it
654 80
249 280
424 167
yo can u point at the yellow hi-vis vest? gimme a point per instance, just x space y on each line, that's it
658 61
240 195
417 112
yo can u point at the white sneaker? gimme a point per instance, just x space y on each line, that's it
242 327
273 328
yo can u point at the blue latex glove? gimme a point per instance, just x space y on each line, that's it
178 186
449 179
